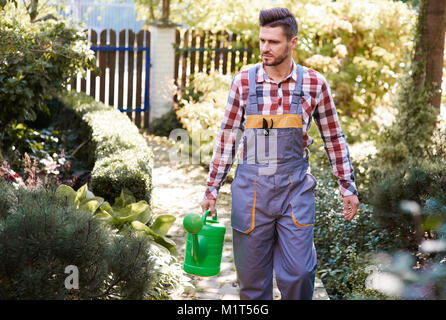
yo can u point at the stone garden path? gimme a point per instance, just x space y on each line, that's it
178 190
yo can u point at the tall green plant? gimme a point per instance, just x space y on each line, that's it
38 57
410 134
344 248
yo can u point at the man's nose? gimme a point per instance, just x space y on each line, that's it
265 47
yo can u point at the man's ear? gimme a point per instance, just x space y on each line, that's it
294 42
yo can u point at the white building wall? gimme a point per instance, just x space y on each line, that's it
162 56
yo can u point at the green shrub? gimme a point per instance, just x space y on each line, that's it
201 112
344 247
165 124
41 235
411 135
37 59
422 181
414 275
122 159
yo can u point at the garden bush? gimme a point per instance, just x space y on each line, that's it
41 234
38 57
201 112
122 159
419 180
164 125
345 248
40 51
419 274
203 117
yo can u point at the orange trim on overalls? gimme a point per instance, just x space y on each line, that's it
253 213
292 213
289 120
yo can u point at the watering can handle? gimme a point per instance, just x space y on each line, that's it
206 214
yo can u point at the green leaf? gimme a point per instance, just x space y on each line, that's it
167 243
139 226
91 204
104 213
19 126
66 191
126 214
126 197
106 208
160 239
145 212
162 224
80 195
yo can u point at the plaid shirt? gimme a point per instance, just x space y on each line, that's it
317 103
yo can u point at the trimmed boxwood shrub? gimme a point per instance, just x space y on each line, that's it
122 158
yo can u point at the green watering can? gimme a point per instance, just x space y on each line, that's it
204 245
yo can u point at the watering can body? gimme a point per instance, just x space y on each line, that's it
204 244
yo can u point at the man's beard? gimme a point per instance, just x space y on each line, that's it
279 60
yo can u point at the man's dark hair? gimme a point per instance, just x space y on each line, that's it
279 17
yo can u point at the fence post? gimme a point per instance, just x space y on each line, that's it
162 72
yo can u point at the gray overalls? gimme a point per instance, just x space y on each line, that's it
273 203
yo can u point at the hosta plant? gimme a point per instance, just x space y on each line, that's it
124 212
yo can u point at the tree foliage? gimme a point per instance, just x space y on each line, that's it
416 128
39 53
360 46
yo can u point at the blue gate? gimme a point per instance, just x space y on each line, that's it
124 80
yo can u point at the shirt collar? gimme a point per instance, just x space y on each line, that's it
262 76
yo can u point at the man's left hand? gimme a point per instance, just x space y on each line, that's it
351 204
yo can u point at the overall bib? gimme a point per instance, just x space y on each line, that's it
272 212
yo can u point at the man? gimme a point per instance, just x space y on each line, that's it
272 213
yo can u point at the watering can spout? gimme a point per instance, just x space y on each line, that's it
193 224
204 245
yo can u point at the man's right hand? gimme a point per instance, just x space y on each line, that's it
208 204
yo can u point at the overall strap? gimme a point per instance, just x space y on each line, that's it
251 103
296 106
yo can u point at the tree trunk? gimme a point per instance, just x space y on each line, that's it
166 9
430 46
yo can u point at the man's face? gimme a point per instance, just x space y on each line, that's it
274 45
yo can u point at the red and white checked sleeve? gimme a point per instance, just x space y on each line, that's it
326 119
225 147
